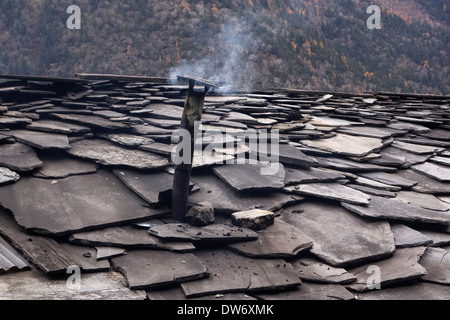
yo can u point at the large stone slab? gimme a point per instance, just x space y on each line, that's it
437 263
129 238
311 292
376 185
351 166
91 121
107 153
406 157
435 171
372 191
423 200
313 270
297 176
224 199
148 269
440 237
53 126
233 273
402 266
397 210
42 140
57 166
405 237
417 148
245 177
425 184
74 204
372 132
33 285
347 145
281 240
214 233
19 157
325 224
8 176
332 191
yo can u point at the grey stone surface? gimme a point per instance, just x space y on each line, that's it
439 237
214 233
296 176
417 148
244 177
107 153
402 266
8 176
437 263
351 166
253 219
175 293
390 179
347 145
435 171
232 273
79 198
332 191
129 238
148 268
406 237
311 292
313 270
372 191
425 184
406 157
324 223
109 252
54 126
423 200
91 121
377 185
57 166
41 140
224 199
412 291
288 154
200 216
127 140
441 160
19 157
393 209
280 240
33 285
86 258
372 132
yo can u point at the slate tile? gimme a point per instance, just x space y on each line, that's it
372 132
372 191
439 237
390 179
41 140
148 269
324 223
10 121
281 240
416 148
101 193
244 177
423 200
159 148
311 292
347 145
288 154
351 166
53 126
33 285
435 171
19 157
425 184
313 270
129 238
310 175
332 191
57 166
8 176
376 185
86 258
405 237
441 160
232 273
109 252
91 121
210 233
402 266
393 209
408 158
127 140
107 153
437 263
411 291
437 134
175 293
224 199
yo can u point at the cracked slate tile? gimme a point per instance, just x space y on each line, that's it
406 237
19 157
402 266
109 154
149 268
280 240
129 238
437 263
393 209
310 292
331 191
313 270
435 171
233 273
224 199
324 223
33 285
81 196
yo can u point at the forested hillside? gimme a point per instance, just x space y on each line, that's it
252 44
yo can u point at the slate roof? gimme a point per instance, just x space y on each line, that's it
86 175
